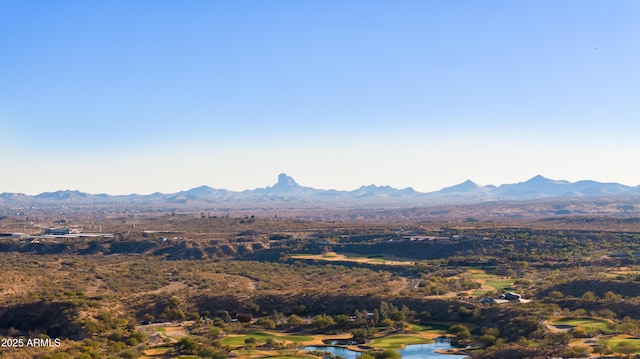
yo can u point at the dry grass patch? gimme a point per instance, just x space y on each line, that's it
333 256
156 351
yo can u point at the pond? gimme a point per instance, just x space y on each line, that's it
412 351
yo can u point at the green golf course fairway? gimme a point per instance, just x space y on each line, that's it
398 341
261 337
586 323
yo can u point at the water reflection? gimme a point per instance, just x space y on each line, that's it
342 342
412 351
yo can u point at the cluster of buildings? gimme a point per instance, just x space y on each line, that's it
57 232
72 233
504 298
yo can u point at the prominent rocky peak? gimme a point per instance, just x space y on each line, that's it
285 183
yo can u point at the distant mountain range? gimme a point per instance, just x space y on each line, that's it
287 192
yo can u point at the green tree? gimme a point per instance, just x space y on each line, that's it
187 345
492 331
141 337
129 354
211 353
626 347
524 342
214 332
555 295
611 296
250 343
387 323
342 320
606 313
602 347
397 316
322 321
630 326
295 320
277 317
487 340
562 338
579 351
132 342
376 316
266 323
116 347
224 315
460 331
270 342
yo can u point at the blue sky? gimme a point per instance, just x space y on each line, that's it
145 96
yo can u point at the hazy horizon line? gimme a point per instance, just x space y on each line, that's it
302 185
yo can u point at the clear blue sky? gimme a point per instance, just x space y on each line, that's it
146 96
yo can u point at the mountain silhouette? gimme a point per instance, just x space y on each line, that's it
468 187
285 184
288 190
